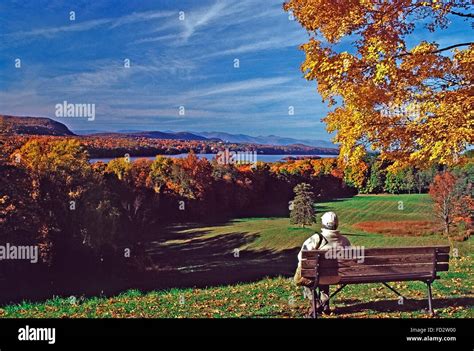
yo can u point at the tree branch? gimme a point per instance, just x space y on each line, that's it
452 47
439 50
470 15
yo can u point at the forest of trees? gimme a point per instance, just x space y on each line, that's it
116 145
78 212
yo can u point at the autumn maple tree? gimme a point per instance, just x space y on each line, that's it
411 100
191 176
160 173
443 195
59 175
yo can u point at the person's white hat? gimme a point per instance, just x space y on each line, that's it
329 220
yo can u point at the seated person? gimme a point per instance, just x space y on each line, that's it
329 238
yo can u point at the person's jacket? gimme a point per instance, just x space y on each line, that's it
325 240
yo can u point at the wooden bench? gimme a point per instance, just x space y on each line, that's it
377 265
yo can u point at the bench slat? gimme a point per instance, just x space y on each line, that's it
384 278
425 268
369 260
442 267
442 257
310 273
362 279
309 264
390 251
379 264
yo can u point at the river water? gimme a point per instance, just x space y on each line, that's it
260 157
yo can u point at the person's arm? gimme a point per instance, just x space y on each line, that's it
298 279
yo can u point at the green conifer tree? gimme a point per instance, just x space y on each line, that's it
302 208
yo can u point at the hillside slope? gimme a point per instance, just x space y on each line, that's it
13 125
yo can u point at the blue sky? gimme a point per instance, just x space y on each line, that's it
174 63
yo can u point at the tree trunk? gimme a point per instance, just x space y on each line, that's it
446 227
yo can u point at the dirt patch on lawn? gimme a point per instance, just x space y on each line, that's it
399 228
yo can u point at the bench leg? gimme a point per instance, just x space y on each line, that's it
314 303
430 298
335 292
324 306
395 291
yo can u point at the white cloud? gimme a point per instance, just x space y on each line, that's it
260 45
166 37
235 87
92 24
140 17
196 19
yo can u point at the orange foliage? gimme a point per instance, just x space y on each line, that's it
414 105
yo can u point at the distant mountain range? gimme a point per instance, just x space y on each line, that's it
153 135
220 136
12 125
268 140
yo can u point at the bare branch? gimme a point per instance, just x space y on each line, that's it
439 50
470 15
452 47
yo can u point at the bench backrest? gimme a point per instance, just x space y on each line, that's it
374 265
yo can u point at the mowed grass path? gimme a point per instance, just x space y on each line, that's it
278 297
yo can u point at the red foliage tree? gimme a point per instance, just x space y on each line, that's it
449 199
191 176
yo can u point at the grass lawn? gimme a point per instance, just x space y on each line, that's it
271 244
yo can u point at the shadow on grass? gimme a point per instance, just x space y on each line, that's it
178 256
194 259
410 305
382 306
